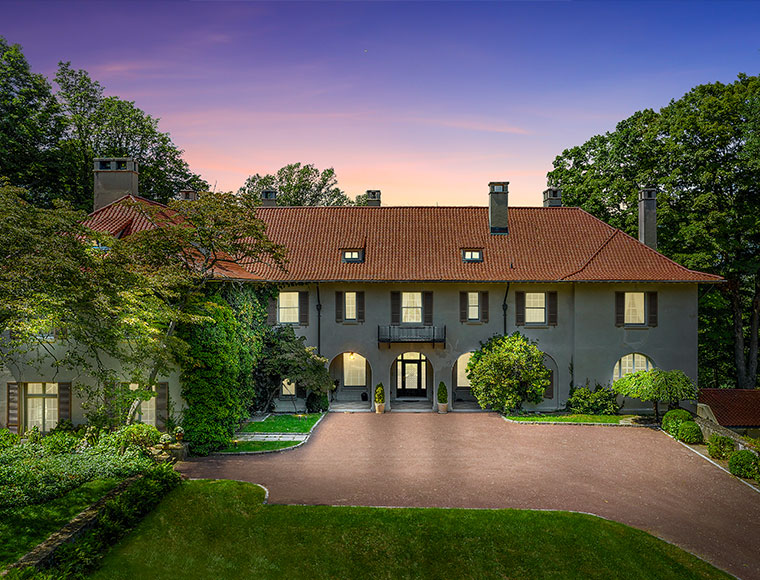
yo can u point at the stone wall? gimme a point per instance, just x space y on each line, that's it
709 427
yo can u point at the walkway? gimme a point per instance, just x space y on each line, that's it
637 476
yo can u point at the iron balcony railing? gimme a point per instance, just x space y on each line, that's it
432 334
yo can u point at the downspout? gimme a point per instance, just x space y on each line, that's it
504 309
319 323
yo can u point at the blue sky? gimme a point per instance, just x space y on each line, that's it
427 101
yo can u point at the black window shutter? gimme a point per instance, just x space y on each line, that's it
520 308
463 307
484 307
162 405
549 392
551 299
360 307
272 312
303 308
64 401
395 307
339 307
619 308
13 414
427 308
652 308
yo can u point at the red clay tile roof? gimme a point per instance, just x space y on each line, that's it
558 244
425 244
733 407
124 217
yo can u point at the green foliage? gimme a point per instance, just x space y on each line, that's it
656 386
600 401
443 393
379 394
506 372
316 402
137 435
744 463
672 420
700 151
283 424
720 446
60 443
297 184
689 432
7 439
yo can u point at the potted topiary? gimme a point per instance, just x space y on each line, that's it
179 434
380 398
443 398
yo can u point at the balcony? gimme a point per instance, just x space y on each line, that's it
431 334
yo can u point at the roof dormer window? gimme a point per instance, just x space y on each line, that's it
353 255
472 255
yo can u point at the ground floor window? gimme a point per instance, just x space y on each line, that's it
288 388
354 370
41 404
146 410
462 361
631 363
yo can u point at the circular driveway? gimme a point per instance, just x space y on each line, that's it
637 476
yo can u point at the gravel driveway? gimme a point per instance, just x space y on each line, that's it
637 476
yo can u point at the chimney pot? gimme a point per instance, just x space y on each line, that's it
373 197
648 217
269 198
498 207
187 195
115 177
552 197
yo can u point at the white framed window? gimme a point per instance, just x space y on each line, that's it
411 307
535 308
634 308
462 361
287 308
354 370
288 388
41 405
146 410
472 255
473 306
631 363
349 309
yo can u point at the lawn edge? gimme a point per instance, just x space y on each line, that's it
645 426
308 436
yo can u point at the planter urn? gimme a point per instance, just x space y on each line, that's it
443 407
379 407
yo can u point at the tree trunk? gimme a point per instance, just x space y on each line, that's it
745 356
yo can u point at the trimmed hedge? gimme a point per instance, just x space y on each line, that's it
720 446
744 463
689 432
600 401
672 420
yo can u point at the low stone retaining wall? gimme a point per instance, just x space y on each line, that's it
709 427
43 556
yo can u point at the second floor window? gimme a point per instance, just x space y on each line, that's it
536 308
349 307
411 307
288 308
636 309
473 307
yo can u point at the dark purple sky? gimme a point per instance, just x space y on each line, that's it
427 101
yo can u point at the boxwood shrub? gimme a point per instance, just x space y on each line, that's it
600 401
672 420
689 432
744 463
720 446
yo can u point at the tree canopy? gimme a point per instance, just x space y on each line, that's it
700 152
657 386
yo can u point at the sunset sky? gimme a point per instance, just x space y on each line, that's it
426 101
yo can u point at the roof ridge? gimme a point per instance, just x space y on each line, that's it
135 198
594 255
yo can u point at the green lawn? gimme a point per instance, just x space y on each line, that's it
22 529
283 424
258 446
568 418
220 529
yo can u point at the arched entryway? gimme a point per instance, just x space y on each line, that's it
352 375
412 376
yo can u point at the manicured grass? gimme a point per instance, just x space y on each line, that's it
258 446
23 528
283 424
219 529
568 418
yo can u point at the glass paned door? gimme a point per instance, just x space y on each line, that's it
411 380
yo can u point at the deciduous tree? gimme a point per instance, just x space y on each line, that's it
298 184
657 386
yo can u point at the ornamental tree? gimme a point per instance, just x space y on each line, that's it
657 386
506 372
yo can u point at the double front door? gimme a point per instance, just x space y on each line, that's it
411 379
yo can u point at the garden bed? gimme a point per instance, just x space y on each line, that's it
582 419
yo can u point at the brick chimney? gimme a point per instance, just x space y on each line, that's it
115 177
648 217
552 197
269 198
498 207
373 197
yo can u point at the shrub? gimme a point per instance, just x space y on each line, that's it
744 463
60 442
672 420
720 446
601 401
33 435
689 432
657 386
64 425
7 439
316 402
443 393
379 394
137 435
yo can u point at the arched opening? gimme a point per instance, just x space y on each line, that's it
412 376
551 391
631 363
461 384
352 376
